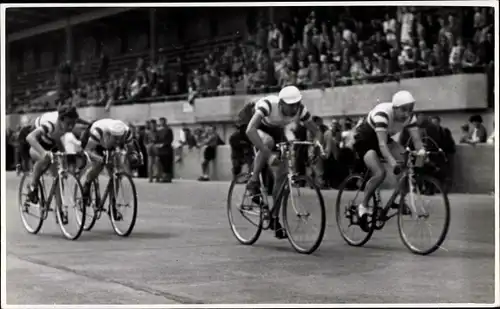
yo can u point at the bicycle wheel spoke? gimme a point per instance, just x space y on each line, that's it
244 216
432 233
71 211
31 222
122 210
294 202
349 197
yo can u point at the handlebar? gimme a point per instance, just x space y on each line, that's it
295 143
415 152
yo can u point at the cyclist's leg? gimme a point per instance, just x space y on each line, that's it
377 173
41 164
94 168
260 159
366 146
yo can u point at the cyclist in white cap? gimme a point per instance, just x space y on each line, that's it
266 128
101 135
374 134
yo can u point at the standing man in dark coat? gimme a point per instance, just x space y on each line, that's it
166 151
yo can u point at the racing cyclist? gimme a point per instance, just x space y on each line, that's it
101 135
267 128
45 139
373 136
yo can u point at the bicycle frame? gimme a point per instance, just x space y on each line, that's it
407 175
56 182
284 150
110 162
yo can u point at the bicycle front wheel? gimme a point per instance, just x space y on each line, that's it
119 208
424 224
71 207
245 218
304 206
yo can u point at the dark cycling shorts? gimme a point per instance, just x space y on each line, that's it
277 133
366 139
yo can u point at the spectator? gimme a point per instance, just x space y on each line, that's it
407 19
224 86
151 141
211 141
469 58
313 69
165 151
478 132
491 138
303 75
464 138
456 56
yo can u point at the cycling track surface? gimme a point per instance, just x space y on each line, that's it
182 251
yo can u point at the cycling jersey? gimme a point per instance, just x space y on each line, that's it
47 122
381 118
272 116
102 126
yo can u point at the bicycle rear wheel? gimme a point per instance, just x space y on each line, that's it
32 215
118 209
309 197
247 232
347 210
420 214
71 195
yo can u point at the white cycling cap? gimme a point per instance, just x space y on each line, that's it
402 98
290 95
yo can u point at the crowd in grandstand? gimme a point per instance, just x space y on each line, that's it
315 52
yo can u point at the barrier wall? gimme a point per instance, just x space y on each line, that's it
444 93
473 168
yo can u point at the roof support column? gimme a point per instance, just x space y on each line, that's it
152 35
70 48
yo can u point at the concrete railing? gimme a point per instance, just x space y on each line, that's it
473 168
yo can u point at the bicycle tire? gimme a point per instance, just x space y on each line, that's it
58 209
237 235
26 225
95 213
444 232
112 206
339 212
309 182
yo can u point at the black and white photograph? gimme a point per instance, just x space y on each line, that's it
249 154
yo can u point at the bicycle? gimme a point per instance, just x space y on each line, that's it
260 212
97 202
410 179
42 204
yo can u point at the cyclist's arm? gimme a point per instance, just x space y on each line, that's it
253 134
382 137
313 128
90 149
415 133
81 121
32 139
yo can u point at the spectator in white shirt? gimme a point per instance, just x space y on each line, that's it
456 55
406 26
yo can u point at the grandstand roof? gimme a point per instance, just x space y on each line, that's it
19 19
